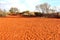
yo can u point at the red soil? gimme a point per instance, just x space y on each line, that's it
29 29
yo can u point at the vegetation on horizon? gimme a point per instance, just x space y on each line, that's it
44 11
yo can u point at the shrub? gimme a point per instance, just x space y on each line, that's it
38 14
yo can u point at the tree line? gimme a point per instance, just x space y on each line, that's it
44 10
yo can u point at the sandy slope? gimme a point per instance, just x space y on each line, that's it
29 29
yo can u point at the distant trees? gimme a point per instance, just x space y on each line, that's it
3 13
14 10
26 13
44 7
39 14
44 10
47 10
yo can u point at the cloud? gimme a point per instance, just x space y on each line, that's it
21 4
2 2
31 4
8 3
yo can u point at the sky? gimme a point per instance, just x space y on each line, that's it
23 5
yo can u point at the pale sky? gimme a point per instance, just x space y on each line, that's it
23 5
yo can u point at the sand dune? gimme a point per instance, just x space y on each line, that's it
29 29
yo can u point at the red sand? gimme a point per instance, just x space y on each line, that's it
29 28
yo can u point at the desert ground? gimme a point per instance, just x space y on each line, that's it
27 28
